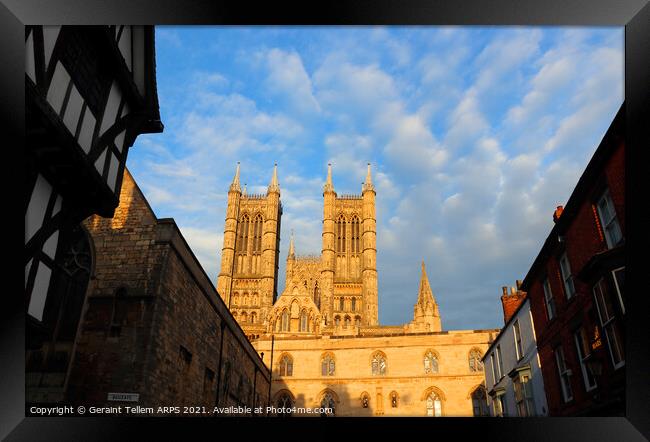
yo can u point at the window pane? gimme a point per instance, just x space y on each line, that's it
615 343
619 279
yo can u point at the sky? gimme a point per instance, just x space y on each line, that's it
475 135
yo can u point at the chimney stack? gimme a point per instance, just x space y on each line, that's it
511 299
557 213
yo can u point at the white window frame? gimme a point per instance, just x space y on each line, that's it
605 223
582 358
522 387
500 405
565 374
494 373
611 319
548 299
567 277
516 331
499 361
618 289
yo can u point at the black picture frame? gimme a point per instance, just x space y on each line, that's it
633 14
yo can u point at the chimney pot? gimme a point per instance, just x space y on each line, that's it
557 213
504 289
519 284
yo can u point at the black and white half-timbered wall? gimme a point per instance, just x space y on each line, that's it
89 92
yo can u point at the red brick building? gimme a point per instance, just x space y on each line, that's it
153 330
576 289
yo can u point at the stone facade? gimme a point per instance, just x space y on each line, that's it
322 336
153 324
404 378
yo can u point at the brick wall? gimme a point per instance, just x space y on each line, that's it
153 322
581 242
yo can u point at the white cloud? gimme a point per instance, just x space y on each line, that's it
289 80
466 122
206 245
413 148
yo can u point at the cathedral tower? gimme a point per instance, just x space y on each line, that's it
247 281
348 260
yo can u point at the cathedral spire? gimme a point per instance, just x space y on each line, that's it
329 187
426 316
274 186
425 295
235 187
292 251
368 184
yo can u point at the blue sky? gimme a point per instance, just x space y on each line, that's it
475 134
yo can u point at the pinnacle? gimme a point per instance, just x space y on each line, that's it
235 186
274 186
368 184
329 187
425 295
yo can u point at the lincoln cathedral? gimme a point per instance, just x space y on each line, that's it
321 336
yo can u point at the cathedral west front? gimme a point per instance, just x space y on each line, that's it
321 337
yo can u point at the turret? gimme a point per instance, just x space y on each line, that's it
369 238
327 253
271 236
224 280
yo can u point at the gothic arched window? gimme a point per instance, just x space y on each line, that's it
242 237
394 399
434 405
357 321
244 317
340 234
365 399
354 304
257 232
356 248
479 402
253 318
475 363
286 366
341 304
304 324
285 320
327 365
337 320
347 321
284 404
430 362
378 364
235 299
329 404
